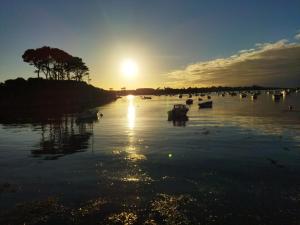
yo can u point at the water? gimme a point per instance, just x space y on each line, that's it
236 162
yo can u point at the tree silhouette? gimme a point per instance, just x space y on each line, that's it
76 66
56 64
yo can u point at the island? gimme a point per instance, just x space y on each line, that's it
58 88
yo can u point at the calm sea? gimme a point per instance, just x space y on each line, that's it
239 161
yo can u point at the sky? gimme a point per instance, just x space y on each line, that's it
175 43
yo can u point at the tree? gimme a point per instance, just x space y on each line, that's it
59 62
56 64
76 66
30 56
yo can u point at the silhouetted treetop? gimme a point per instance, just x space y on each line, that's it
56 64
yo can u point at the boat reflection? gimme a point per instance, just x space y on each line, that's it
61 137
179 123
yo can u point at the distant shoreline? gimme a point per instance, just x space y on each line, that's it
173 91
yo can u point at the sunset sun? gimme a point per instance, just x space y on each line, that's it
129 68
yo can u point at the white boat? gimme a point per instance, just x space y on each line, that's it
243 95
285 93
87 115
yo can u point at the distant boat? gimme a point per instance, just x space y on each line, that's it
243 95
208 97
285 93
205 104
189 101
146 97
200 99
180 96
254 96
87 115
178 112
223 94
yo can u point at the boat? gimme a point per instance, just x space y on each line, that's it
189 101
200 99
243 95
254 96
178 112
88 115
285 93
208 97
146 97
180 96
223 95
205 104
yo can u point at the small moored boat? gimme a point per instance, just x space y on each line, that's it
205 104
189 101
146 97
178 112
243 95
88 115
284 93
254 96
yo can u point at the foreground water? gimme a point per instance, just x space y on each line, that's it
237 163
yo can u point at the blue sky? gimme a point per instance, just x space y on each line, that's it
162 36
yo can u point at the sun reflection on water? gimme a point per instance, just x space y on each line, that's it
131 112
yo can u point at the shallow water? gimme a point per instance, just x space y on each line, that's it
236 162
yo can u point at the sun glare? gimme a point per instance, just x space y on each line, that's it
129 68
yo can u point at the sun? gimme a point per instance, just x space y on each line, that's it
129 68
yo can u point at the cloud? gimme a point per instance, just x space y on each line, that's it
270 64
297 36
